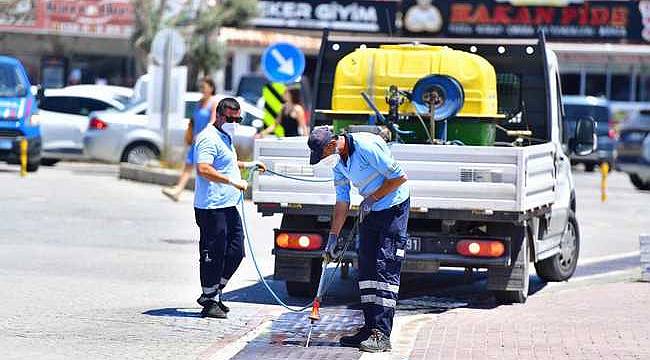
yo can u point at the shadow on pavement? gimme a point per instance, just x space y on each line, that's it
174 312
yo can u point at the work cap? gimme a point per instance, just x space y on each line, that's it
318 139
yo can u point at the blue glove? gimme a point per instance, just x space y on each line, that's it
331 252
366 207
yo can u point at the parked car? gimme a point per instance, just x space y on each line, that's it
576 107
633 150
64 117
17 105
126 136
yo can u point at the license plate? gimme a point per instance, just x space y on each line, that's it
5 144
413 244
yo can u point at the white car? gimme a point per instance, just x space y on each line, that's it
63 116
127 136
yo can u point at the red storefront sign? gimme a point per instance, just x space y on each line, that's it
111 18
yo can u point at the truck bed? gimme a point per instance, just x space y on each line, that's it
476 178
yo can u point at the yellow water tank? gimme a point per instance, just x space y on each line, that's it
373 70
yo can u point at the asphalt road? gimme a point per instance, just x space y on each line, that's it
92 267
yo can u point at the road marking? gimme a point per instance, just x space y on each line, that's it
593 260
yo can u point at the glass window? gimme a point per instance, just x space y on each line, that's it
570 84
62 104
620 88
643 88
11 82
596 85
89 105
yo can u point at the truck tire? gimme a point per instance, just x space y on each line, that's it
33 166
589 167
561 266
306 289
638 182
510 284
49 161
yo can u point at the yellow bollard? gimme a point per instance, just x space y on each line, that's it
604 171
23 157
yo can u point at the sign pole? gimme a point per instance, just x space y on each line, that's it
167 73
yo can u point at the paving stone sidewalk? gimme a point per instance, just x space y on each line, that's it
608 321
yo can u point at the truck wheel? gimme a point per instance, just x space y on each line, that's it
590 167
306 289
510 284
561 266
49 161
639 183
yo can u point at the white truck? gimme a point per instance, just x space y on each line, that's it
497 207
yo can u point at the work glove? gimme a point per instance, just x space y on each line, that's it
255 165
366 207
332 252
241 184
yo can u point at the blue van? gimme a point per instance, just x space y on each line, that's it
17 105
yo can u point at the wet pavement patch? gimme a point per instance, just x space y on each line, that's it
287 335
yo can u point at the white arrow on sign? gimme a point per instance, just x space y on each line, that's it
286 65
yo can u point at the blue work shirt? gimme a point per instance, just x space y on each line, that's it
369 164
215 147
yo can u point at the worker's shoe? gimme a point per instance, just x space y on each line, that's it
356 339
205 300
376 342
212 310
172 193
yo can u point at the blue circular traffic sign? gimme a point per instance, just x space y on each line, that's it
283 63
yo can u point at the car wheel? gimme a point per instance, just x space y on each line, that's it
590 167
33 166
140 153
638 182
561 266
49 161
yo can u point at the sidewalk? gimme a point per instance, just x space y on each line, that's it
609 321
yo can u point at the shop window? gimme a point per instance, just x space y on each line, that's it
570 84
643 88
620 88
596 85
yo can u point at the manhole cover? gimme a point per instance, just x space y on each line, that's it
429 303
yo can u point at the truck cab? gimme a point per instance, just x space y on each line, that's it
17 105
500 201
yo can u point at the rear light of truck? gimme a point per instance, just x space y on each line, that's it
480 248
298 241
97 124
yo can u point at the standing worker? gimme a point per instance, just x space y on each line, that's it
365 160
217 193
292 116
201 117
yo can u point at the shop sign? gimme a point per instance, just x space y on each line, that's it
342 15
574 20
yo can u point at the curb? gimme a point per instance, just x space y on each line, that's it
152 175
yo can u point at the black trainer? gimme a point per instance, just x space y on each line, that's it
204 301
356 339
213 311
376 342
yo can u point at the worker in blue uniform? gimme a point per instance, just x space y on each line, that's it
365 161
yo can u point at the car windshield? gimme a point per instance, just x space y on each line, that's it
11 83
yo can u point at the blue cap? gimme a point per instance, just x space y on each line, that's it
318 140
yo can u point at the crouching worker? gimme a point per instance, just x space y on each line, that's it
365 161
217 192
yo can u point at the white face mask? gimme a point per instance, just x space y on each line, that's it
330 161
230 128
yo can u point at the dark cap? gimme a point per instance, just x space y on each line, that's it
318 140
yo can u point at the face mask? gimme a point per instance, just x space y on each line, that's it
330 161
230 129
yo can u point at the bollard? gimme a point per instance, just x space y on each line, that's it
604 171
644 246
23 157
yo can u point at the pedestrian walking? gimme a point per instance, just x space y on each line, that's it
201 117
365 161
292 116
217 193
